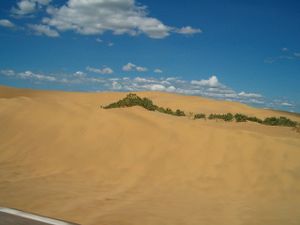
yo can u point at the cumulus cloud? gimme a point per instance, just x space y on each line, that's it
287 54
30 75
141 69
143 80
99 40
157 71
155 87
210 87
7 23
92 17
159 87
98 16
104 70
128 67
116 86
26 7
188 30
40 29
79 74
297 54
249 95
286 104
78 77
8 73
211 82
132 67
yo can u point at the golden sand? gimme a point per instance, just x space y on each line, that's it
63 156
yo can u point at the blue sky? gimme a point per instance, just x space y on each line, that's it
247 51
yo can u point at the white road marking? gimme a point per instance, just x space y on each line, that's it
33 217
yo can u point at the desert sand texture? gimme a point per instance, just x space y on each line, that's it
63 156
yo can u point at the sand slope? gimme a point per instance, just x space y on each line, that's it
63 156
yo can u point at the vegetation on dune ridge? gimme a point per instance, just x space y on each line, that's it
134 100
281 121
200 116
225 117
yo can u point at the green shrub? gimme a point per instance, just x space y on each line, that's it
161 109
179 113
134 100
240 117
225 117
254 119
281 121
200 116
228 117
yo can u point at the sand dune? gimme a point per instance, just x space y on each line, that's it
63 156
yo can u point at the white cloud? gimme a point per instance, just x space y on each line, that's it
6 23
110 44
249 95
297 54
211 82
281 102
41 77
43 2
128 67
155 87
287 55
132 67
43 30
207 88
253 100
25 7
104 70
79 74
269 60
8 72
188 30
116 85
157 71
159 87
143 80
99 40
141 69
92 17
286 104
28 75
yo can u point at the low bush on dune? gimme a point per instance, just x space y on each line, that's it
254 119
200 116
271 121
178 112
280 121
240 117
134 100
244 118
225 117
